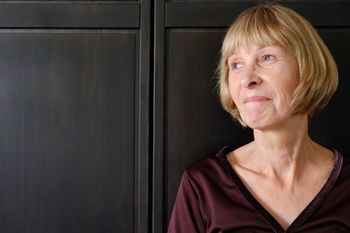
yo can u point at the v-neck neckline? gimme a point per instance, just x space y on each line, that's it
304 214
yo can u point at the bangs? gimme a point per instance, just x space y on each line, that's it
257 27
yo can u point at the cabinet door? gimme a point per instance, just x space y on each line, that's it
72 147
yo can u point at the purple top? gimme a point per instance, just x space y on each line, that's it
212 198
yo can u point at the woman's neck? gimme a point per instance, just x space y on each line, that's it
283 153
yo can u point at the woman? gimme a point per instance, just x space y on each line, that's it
275 73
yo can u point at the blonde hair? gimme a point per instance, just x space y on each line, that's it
275 25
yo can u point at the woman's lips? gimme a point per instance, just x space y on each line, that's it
254 99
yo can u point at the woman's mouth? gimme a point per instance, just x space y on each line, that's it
255 99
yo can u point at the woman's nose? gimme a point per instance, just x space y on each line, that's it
250 77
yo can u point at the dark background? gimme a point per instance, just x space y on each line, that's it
104 103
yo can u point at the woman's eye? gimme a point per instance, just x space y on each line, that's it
236 65
268 57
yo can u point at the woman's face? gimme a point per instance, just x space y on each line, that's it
261 82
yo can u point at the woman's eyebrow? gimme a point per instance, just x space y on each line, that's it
233 57
262 49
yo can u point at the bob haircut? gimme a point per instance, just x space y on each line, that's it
275 25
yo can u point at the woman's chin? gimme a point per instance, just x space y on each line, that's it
261 123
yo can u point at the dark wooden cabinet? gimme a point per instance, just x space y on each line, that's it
74 117
104 103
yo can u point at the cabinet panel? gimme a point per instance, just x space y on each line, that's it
60 14
67 113
221 13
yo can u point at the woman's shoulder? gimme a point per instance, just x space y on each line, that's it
210 167
341 169
344 164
